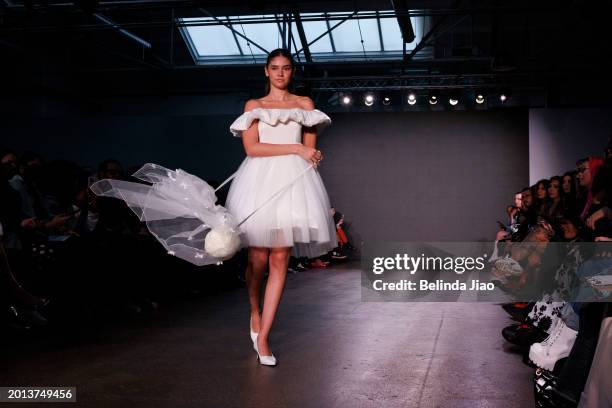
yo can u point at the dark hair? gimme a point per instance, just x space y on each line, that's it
534 188
558 178
279 52
572 176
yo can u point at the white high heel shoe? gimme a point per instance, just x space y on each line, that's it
253 334
265 360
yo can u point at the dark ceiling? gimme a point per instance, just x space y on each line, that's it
548 53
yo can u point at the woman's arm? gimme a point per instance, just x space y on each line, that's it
309 134
309 137
254 148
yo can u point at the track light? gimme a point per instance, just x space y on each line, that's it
368 99
346 100
386 101
433 99
453 98
480 98
412 98
504 95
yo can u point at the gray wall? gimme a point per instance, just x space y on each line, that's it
396 176
559 137
199 144
425 176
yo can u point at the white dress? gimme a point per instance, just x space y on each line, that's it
299 216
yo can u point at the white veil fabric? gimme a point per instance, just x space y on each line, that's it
179 209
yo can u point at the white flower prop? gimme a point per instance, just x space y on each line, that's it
222 242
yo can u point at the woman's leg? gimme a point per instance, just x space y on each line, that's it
256 268
279 259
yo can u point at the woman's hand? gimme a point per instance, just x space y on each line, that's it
57 222
596 216
311 155
603 239
30 223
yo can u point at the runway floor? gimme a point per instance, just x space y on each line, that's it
333 350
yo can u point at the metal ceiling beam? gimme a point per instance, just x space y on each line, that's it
380 35
229 26
123 31
54 27
302 34
427 37
403 19
329 30
331 37
281 29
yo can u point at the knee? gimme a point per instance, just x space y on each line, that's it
258 257
278 258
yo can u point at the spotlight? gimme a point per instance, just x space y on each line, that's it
346 100
412 98
503 97
368 99
453 98
480 98
433 99
386 100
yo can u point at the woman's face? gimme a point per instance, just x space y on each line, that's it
584 175
9 164
279 72
526 199
541 191
569 230
518 200
567 184
553 189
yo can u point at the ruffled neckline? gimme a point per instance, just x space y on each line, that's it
273 116
283 109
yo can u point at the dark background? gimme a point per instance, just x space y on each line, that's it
396 176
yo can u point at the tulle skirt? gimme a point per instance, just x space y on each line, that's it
298 217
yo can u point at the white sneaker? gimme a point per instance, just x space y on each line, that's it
556 346
553 328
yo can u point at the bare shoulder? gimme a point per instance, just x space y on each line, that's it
306 103
252 104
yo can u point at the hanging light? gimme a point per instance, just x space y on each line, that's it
412 99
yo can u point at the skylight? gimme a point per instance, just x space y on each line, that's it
247 39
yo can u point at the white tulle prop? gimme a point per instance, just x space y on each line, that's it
222 243
180 211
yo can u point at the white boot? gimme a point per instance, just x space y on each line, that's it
556 346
